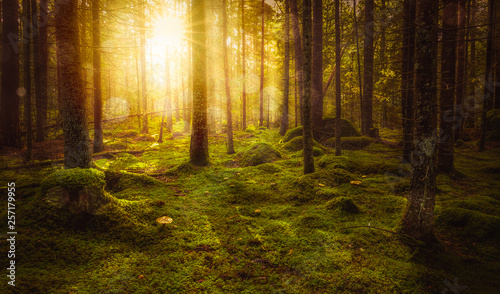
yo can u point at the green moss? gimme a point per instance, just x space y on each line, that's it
343 204
74 179
180 169
269 168
336 162
256 154
351 143
126 161
293 133
121 180
348 129
250 129
297 144
470 224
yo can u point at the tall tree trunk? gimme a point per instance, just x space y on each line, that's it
299 56
448 83
338 90
384 123
199 136
495 104
317 69
359 63
489 87
71 89
243 69
142 28
307 131
262 59
286 74
28 156
471 102
41 61
168 84
418 216
407 78
96 43
367 110
461 71
9 112
230 144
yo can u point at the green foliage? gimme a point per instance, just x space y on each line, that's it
256 154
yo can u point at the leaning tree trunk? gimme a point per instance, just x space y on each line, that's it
286 74
71 89
9 112
307 130
199 136
317 69
418 216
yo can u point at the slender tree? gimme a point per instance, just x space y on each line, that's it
142 29
367 109
489 85
317 68
418 216
9 112
27 78
262 60
71 89
243 69
41 60
230 144
448 83
407 76
338 91
286 74
199 136
299 56
307 130
96 44
461 69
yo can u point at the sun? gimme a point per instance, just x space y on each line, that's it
168 30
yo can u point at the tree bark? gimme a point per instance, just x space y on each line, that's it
96 44
461 71
27 36
448 87
407 76
71 89
142 28
489 81
230 143
299 56
286 74
9 112
338 90
418 216
317 69
41 61
261 103
199 136
367 109
243 68
307 130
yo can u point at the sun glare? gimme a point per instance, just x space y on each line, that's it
168 30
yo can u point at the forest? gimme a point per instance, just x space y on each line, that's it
250 146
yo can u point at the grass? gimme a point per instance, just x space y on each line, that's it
258 229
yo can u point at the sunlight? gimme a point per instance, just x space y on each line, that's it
168 30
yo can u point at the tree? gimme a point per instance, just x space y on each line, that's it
460 70
71 90
41 61
317 69
9 112
243 65
142 29
307 130
299 55
27 78
418 216
286 74
488 86
261 104
367 108
448 83
338 91
230 144
407 76
96 50
199 136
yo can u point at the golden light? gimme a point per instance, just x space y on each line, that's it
168 30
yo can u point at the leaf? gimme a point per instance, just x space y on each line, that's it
357 183
321 185
291 251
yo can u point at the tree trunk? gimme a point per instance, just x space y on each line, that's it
495 104
261 103
243 68
27 36
286 74
407 76
307 131
96 43
199 136
299 56
71 89
317 69
418 216
359 63
9 112
367 109
168 98
41 61
448 83
461 72
142 28
489 87
338 91
384 123
230 144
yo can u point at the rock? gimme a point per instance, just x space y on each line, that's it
256 154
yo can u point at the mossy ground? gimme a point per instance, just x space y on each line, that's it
259 229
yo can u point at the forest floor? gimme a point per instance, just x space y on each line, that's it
257 229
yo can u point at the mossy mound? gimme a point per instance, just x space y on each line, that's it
472 225
240 192
120 180
348 129
343 204
335 162
269 168
351 143
183 168
256 154
293 133
297 144
126 161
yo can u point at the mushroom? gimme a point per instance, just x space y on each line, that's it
164 220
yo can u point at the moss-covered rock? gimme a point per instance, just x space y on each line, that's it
120 180
256 154
343 204
297 144
351 143
293 133
335 161
269 168
348 129
473 225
